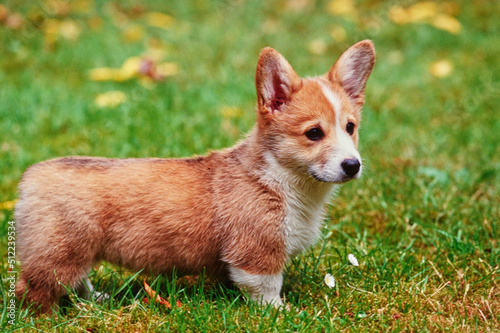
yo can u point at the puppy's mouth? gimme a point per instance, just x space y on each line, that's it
339 178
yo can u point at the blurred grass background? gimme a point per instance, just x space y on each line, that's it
171 79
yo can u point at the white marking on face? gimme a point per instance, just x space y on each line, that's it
344 149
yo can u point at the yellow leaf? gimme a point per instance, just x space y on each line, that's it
341 7
231 112
69 29
110 99
159 20
317 46
130 68
102 74
51 27
338 33
133 33
8 205
441 68
419 12
447 23
422 11
427 12
82 6
398 15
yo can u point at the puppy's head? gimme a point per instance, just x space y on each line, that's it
310 126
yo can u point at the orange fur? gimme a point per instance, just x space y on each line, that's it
239 212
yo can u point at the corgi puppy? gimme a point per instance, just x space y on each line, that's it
239 213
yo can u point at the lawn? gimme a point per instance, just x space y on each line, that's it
176 78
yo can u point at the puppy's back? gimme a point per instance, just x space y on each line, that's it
127 211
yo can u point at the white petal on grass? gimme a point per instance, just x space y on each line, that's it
329 280
352 259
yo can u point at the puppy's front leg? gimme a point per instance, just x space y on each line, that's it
262 288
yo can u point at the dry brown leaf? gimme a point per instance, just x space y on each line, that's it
157 298
153 296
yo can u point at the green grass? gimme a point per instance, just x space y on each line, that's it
422 221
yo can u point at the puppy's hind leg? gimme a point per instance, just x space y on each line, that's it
46 275
43 287
86 291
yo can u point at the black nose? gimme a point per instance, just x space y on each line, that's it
350 166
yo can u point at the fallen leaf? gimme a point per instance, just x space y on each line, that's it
4 13
129 70
51 27
427 12
422 10
317 46
70 30
133 33
441 68
131 67
159 20
102 74
231 112
447 23
338 33
82 6
8 205
341 7
398 15
110 99
153 296
157 298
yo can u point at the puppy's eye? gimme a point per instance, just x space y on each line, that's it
315 134
350 128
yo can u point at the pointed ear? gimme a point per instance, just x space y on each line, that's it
276 81
353 69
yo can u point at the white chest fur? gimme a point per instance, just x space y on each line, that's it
304 206
304 214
